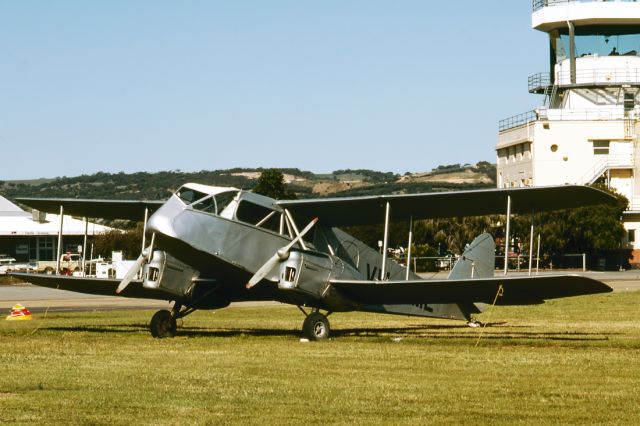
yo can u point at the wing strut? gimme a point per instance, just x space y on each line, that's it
144 228
507 236
383 267
59 252
531 243
84 246
408 262
295 228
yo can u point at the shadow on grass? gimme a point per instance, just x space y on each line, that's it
434 332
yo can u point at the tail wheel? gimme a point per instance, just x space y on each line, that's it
163 324
316 327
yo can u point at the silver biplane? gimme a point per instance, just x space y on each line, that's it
211 246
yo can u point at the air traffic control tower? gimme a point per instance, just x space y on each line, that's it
586 129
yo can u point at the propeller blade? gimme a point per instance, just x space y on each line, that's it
131 273
278 256
264 270
145 256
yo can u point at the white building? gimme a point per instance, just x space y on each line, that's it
34 236
587 128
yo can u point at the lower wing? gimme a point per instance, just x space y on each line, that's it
101 286
514 290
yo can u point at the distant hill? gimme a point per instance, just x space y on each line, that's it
143 185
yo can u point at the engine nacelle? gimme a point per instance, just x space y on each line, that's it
305 272
306 279
166 273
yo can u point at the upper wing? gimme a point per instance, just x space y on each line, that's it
105 209
350 211
101 286
515 290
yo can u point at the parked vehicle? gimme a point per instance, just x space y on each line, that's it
6 263
69 263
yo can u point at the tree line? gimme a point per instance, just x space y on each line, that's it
597 231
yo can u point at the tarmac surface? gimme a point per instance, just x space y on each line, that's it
40 299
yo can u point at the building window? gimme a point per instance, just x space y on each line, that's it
601 147
631 235
45 248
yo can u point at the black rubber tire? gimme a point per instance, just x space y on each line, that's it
163 325
316 327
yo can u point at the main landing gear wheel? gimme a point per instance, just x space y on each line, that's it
163 324
316 327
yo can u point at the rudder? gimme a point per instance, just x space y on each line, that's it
478 259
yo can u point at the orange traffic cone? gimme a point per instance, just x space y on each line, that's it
19 313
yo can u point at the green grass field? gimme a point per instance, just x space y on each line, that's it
570 361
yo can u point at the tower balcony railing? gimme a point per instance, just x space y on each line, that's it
585 114
539 4
539 83
517 120
599 76
569 114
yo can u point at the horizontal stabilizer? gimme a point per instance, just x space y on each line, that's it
516 290
101 286
93 209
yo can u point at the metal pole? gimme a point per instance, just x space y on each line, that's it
385 243
538 256
572 52
507 236
59 241
584 262
144 228
84 245
531 246
409 249
90 258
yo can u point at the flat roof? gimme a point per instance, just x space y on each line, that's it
16 222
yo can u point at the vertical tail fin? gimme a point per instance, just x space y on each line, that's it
477 261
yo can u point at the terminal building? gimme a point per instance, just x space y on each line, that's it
586 129
29 237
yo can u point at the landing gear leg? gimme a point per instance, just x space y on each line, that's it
316 326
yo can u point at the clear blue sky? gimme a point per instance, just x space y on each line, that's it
132 85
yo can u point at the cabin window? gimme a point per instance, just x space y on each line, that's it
188 195
215 204
224 199
256 214
207 205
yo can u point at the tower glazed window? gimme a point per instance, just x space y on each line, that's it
598 40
